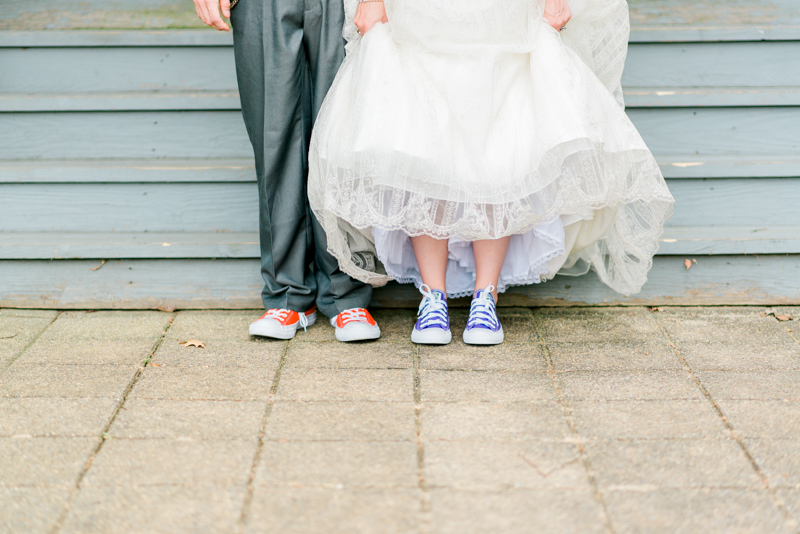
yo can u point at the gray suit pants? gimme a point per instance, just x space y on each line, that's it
287 55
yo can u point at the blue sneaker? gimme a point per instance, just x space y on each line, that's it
433 325
483 326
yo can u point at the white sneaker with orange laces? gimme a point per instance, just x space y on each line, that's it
355 324
282 324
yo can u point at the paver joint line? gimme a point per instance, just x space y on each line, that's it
26 347
583 456
734 434
425 497
104 436
248 498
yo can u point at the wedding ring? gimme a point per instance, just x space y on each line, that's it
564 27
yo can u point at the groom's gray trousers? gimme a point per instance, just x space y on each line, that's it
287 55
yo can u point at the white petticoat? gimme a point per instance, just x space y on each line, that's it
474 119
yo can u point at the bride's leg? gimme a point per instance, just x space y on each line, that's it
432 260
489 257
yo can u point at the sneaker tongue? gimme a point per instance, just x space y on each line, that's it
439 293
479 293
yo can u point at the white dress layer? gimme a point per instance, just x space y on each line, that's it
474 119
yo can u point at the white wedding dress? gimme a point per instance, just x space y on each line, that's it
474 119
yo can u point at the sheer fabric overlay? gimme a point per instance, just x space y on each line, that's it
474 119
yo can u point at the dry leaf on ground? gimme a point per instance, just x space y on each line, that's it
193 343
687 263
166 308
154 364
656 308
101 264
784 317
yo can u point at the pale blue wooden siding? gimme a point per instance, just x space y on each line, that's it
121 139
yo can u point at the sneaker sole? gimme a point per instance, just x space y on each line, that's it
482 336
431 336
275 330
364 332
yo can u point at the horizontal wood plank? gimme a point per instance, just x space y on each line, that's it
118 69
186 284
688 132
635 97
243 170
233 207
108 245
164 245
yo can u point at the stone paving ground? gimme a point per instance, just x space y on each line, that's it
609 420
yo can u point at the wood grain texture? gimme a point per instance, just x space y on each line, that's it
122 101
80 135
243 170
221 134
663 97
114 38
762 64
163 245
129 284
127 170
118 69
233 207
107 245
180 207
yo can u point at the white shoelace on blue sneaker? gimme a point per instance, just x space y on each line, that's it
432 310
482 311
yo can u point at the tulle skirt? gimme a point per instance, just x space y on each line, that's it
474 119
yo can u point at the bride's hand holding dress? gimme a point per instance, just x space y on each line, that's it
368 14
557 13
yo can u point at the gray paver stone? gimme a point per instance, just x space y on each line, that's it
458 356
729 356
347 384
764 418
220 353
593 325
494 421
31 510
215 325
107 325
155 509
764 384
629 385
336 464
328 511
204 383
481 386
389 421
779 459
126 462
699 510
54 416
16 333
671 464
344 356
66 380
613 356
750 332
43 461
518 511
683 419
210 420
487 465
89 351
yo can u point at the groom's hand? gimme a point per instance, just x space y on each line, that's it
208 11
368 14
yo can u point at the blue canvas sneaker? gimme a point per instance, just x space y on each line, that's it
483 326
433 325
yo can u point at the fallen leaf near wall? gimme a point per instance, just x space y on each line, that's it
193 343
784 317
169 309
101 264
687 263
656 309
